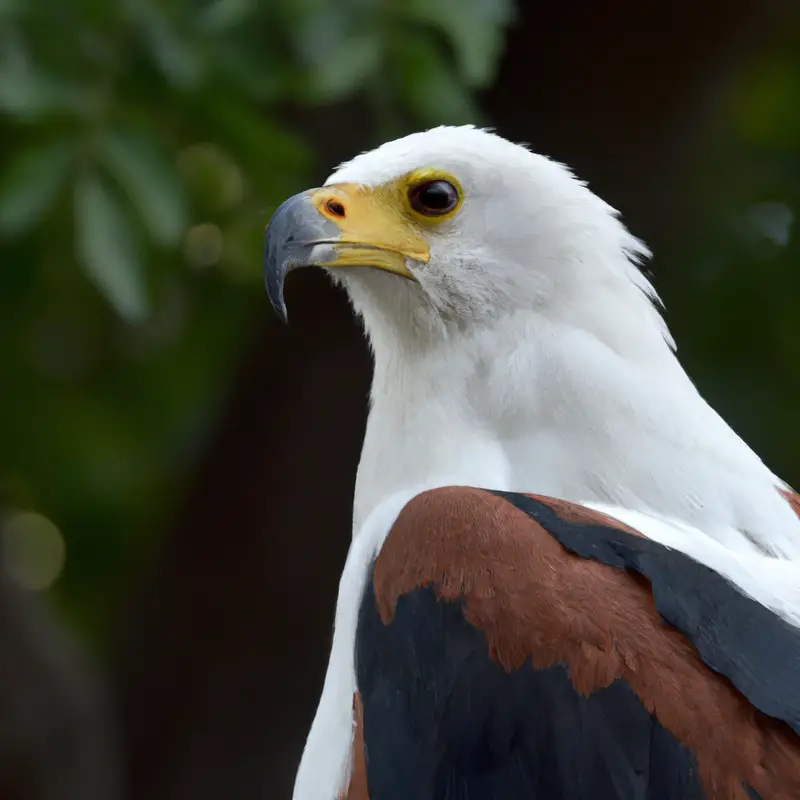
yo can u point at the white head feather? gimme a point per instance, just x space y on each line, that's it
529 235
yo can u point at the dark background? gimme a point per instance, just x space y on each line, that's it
176 468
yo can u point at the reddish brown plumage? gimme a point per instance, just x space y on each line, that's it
533 599
794 500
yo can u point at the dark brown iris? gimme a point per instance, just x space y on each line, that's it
433 199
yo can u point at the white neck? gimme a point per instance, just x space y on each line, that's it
585 406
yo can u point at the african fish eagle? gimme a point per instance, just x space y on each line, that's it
569 578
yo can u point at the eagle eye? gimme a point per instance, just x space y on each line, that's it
434 198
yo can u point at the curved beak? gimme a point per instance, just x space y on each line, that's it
294 233
337 226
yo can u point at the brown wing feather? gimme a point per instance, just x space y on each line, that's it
532 598
793 499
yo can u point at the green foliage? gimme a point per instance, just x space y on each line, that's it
32 180
142 81
105 246
475 28
150 180
143 144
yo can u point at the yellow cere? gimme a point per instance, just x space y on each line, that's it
379 228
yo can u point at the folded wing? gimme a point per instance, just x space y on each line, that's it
513 646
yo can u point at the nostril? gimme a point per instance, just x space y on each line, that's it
335 207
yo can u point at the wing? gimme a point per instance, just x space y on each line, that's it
512 646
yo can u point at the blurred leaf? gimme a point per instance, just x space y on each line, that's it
257 72
339 55
430 86
270 152
9 8
346 68
28 89
106 248
28 93
31 184
150 181
175 55
475 28
222 15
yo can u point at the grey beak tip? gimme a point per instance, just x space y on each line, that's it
283 316
274 276
275 294
294 227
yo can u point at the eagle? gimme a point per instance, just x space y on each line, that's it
569 578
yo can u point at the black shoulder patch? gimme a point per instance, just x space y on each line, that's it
758 651
442 721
